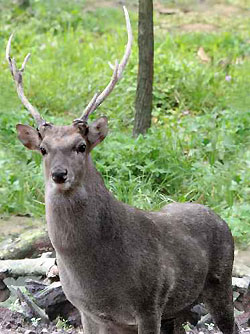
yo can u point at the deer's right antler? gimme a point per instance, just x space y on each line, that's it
98 97
117 74
18 78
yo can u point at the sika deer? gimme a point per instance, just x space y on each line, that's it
125 269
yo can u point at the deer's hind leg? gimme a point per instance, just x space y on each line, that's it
217 296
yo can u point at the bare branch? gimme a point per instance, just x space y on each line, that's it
117 73
18 78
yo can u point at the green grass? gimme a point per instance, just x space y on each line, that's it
198 146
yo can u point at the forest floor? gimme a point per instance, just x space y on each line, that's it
12 323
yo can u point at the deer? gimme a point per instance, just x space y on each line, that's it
127 271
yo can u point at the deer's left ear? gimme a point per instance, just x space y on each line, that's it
97 131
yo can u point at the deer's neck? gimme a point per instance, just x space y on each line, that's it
84 213
85 199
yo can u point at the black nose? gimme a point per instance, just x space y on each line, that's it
59 175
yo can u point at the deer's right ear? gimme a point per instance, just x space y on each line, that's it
28 136
97 131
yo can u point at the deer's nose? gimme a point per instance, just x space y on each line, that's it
59 175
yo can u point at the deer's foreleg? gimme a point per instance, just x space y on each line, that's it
89 326
149 324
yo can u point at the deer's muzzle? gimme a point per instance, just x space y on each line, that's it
59 175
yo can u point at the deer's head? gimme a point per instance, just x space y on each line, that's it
65 149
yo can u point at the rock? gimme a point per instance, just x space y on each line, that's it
206 319
200 309
242 282
241 263
243 319
242 302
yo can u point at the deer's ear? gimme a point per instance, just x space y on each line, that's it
28 136
97 131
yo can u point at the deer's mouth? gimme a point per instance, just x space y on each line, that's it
62 186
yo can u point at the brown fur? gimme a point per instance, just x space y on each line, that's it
127 270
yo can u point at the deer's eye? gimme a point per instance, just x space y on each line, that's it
43 150
81 148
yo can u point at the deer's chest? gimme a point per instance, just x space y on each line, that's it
95 289
92 267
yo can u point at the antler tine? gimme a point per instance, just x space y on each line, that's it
125 58
117 72
109 87
87 111
18 78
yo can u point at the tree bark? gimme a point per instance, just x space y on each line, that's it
143 103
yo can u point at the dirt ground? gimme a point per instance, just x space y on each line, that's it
12 323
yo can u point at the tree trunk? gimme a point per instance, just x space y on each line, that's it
143 103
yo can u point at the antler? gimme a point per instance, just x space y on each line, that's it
18 78
117 74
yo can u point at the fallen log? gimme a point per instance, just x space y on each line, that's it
32 310
28 244
52 299
44 294
26 267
